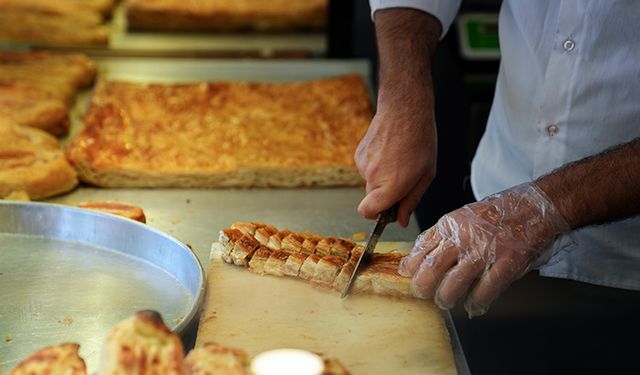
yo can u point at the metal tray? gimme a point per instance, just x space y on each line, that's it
69 275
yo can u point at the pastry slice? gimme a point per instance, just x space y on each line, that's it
228 238
342 248
326 270
142 345
275 241
309 244
345 273
243 249
246 228
258 260
275 264
381 276
308 268
292 243
323 248
294 263
263 234
56 359
213 359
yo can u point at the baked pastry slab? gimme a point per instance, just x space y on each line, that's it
226 15
223 134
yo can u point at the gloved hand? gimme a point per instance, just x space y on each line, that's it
491 243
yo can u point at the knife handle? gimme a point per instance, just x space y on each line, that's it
389 215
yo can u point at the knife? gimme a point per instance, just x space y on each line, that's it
385 217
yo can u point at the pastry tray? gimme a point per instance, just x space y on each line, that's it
137 43
70 275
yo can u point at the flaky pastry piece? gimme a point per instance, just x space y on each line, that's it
142 345
31 161
325 262
212 359
116 208
52 360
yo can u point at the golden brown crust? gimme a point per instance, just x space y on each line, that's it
292 243
31 161
116 208
226 15
57 359
243 249
257 129
211 359
142 344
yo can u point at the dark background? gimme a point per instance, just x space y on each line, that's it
539 325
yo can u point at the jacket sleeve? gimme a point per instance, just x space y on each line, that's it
444 10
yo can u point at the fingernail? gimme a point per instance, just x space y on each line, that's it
403 267
475 309
442 304
418 292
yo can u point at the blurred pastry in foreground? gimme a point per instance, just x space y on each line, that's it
32 162
52 360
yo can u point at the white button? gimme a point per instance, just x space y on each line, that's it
552 130
569 45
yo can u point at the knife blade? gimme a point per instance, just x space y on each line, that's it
385 217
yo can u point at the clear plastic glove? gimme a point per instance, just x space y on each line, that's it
480 249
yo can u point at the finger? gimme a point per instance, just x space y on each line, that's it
376 201
410 201
493 282
457 282
433 268
425 243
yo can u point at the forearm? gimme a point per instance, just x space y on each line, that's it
406 39
598 189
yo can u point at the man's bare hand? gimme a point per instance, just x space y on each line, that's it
397 156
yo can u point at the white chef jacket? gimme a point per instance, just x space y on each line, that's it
568 87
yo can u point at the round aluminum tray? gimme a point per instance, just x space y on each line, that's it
70 275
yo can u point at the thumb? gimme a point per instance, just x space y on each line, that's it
376 201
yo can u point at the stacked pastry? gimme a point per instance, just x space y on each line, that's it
62 22
37 88
143 345
325 262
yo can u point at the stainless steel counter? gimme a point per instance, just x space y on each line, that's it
196 216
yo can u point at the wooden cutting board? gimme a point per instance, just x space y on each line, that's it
368 334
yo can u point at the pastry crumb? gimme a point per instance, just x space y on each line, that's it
8 338
66 321
360 236
178 319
